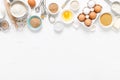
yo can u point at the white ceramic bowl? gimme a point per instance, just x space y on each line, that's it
24 4
51 12
103 26
77 8
70 21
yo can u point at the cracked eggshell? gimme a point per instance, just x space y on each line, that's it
91 3
86 10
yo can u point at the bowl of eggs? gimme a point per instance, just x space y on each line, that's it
89 14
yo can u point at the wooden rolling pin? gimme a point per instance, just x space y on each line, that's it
12 19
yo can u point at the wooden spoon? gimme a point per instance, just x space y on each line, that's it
7 5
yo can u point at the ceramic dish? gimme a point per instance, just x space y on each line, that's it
51 13
89 15
115 6
116 23
23 4
69 15
93 21
108 26
75 5
4 25
58 26
31 27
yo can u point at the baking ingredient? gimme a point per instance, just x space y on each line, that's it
92 15
52 19
87 16
59 26
53 7
18 9
74 5
116 25
86 10
97 8
35 22
81 17
106 19
91 3
88 22
67 15
4 25
32 3
116 7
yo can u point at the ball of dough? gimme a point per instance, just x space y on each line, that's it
97 8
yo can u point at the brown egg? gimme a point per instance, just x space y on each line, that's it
81 17
92 15
88 22
32 3
98 8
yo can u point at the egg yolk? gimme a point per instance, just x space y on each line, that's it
67 15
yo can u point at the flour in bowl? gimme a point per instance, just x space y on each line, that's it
18 10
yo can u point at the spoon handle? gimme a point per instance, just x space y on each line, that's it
65 3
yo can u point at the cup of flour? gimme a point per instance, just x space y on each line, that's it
18 9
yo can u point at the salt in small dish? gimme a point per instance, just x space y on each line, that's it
58 26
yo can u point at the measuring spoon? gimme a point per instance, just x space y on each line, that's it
37 9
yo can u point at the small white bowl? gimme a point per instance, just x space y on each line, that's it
58 26
22 3
51 12
103 26
115 25
70 21
78 6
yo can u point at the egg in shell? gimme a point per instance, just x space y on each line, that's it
32 3
92 15
98 8
81 17
88 22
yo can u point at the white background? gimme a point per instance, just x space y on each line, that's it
71 55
